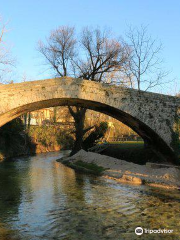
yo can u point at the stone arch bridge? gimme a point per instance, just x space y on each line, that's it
153 116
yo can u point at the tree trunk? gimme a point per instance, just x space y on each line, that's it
29 120
79 118
78 144
54 114
25 120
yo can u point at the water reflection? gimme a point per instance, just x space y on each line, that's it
43 199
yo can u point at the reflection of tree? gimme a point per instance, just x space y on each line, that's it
12 179
69 182
10 188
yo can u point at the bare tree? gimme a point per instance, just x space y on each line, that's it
103 55
59 50
6 60
143 68
93 56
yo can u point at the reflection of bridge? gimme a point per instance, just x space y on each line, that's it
151 115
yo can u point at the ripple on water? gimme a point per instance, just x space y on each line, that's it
42 199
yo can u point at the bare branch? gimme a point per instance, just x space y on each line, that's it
143 61
6 60
59 49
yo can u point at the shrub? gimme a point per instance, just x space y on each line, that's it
51 136
14 140
98 133
65 140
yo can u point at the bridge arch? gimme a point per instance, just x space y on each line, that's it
150 115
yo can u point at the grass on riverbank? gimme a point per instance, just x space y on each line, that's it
135 143
84 167
132 152
98 170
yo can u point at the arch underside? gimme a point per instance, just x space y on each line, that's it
150 137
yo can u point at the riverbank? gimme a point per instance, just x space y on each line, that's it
127 172
29 151
17 140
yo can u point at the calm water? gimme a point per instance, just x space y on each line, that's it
42 199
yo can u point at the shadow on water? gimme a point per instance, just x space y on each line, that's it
11 174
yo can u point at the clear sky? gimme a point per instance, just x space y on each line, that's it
30 21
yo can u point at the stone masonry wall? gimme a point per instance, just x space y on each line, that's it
156 111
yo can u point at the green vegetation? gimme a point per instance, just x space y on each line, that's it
132 143
84 167
50 136
65 140
176 136
132 152
91 166
14 141
43 134
98 133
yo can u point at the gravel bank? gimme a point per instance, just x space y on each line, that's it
123 171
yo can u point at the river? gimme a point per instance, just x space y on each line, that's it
43 199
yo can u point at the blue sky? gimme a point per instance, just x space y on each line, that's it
30 21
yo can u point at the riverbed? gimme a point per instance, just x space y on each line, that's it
41 198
